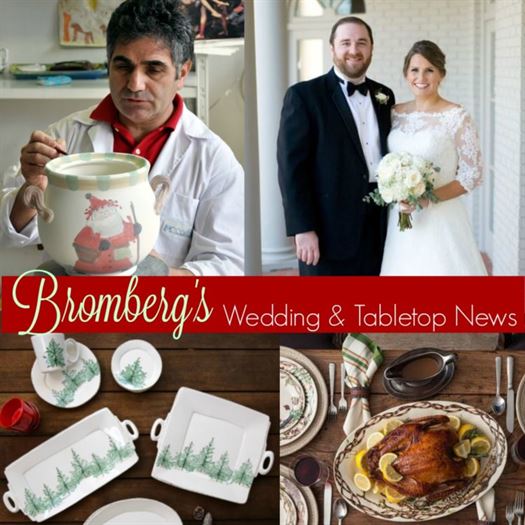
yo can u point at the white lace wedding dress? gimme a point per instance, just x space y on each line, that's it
441 241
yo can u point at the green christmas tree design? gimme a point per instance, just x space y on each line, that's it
91 369
133 374
51 499
54 354
204 459
166 459
80 469
244 474
33 505
64 397
184 459
222 471
63 484
99 466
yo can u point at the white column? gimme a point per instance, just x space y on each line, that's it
270 18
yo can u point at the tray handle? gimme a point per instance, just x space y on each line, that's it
10 502
131 429
156 429
268 455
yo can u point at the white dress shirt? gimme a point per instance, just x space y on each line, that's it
366 123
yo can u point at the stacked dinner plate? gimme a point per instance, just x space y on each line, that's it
297 503
303 401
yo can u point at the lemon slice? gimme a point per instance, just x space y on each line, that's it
454 422
360 461
377 488
393 496
392 424
362 482
386 459
480 446
373 439
471 467
466 430
462 449
391 474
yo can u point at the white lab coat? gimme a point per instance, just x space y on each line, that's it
202 221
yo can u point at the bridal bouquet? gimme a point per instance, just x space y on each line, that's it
403 177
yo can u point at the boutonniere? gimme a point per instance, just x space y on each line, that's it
381 97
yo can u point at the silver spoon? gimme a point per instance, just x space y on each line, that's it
498 403
340 510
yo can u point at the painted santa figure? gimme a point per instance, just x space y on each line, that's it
103 245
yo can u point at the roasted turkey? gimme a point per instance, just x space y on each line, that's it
426 459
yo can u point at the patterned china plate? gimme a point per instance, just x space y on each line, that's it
520 403
287 510
375 505
292 433
292 400
298 499
307 512
71 387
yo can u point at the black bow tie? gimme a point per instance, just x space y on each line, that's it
352 88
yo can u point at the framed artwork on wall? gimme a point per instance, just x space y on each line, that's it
214 19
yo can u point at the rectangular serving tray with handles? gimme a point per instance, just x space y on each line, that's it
70 465
211 446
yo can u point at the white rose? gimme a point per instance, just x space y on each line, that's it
413 178
387 195
419 189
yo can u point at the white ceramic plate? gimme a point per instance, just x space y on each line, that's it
292 400
307 514
520 404
136 365
71 387
70 465
135 511
287 510
211 446
418 509
298 499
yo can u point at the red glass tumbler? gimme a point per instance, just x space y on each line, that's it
19 415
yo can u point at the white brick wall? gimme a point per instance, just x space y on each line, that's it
509 233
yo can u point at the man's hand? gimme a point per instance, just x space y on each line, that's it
307 247
36 154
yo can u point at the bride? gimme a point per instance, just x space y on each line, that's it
441 241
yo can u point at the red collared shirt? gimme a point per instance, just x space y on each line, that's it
123 142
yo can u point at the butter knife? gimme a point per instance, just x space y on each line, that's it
510 394
327 503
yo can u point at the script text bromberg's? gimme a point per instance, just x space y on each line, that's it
128 307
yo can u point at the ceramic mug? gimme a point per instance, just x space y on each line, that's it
4 58
19 415
54 351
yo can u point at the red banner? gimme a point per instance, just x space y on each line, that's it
42 303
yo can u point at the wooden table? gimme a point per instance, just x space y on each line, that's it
242 368
473 384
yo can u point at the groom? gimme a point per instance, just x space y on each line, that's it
332 136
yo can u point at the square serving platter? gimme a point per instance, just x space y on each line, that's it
211 446
70 465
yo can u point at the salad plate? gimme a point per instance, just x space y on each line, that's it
72 386
287 510
211 446
134 511
303 498
70 465
292 400
136 365
419 509
316 405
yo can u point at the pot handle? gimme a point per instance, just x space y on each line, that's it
10 502
156 429
161 187
268 455
131 429
33 197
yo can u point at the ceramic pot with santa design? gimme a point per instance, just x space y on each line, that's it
99 213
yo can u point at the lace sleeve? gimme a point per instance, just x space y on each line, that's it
470 165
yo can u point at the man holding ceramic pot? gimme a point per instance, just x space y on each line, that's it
149 50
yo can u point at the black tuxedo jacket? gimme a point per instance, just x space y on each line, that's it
323 174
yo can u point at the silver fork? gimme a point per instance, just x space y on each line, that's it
509 513
518 506
343 405
332 409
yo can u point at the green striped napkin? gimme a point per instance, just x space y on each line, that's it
362 357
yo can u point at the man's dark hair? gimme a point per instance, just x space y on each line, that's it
350 20
161 20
